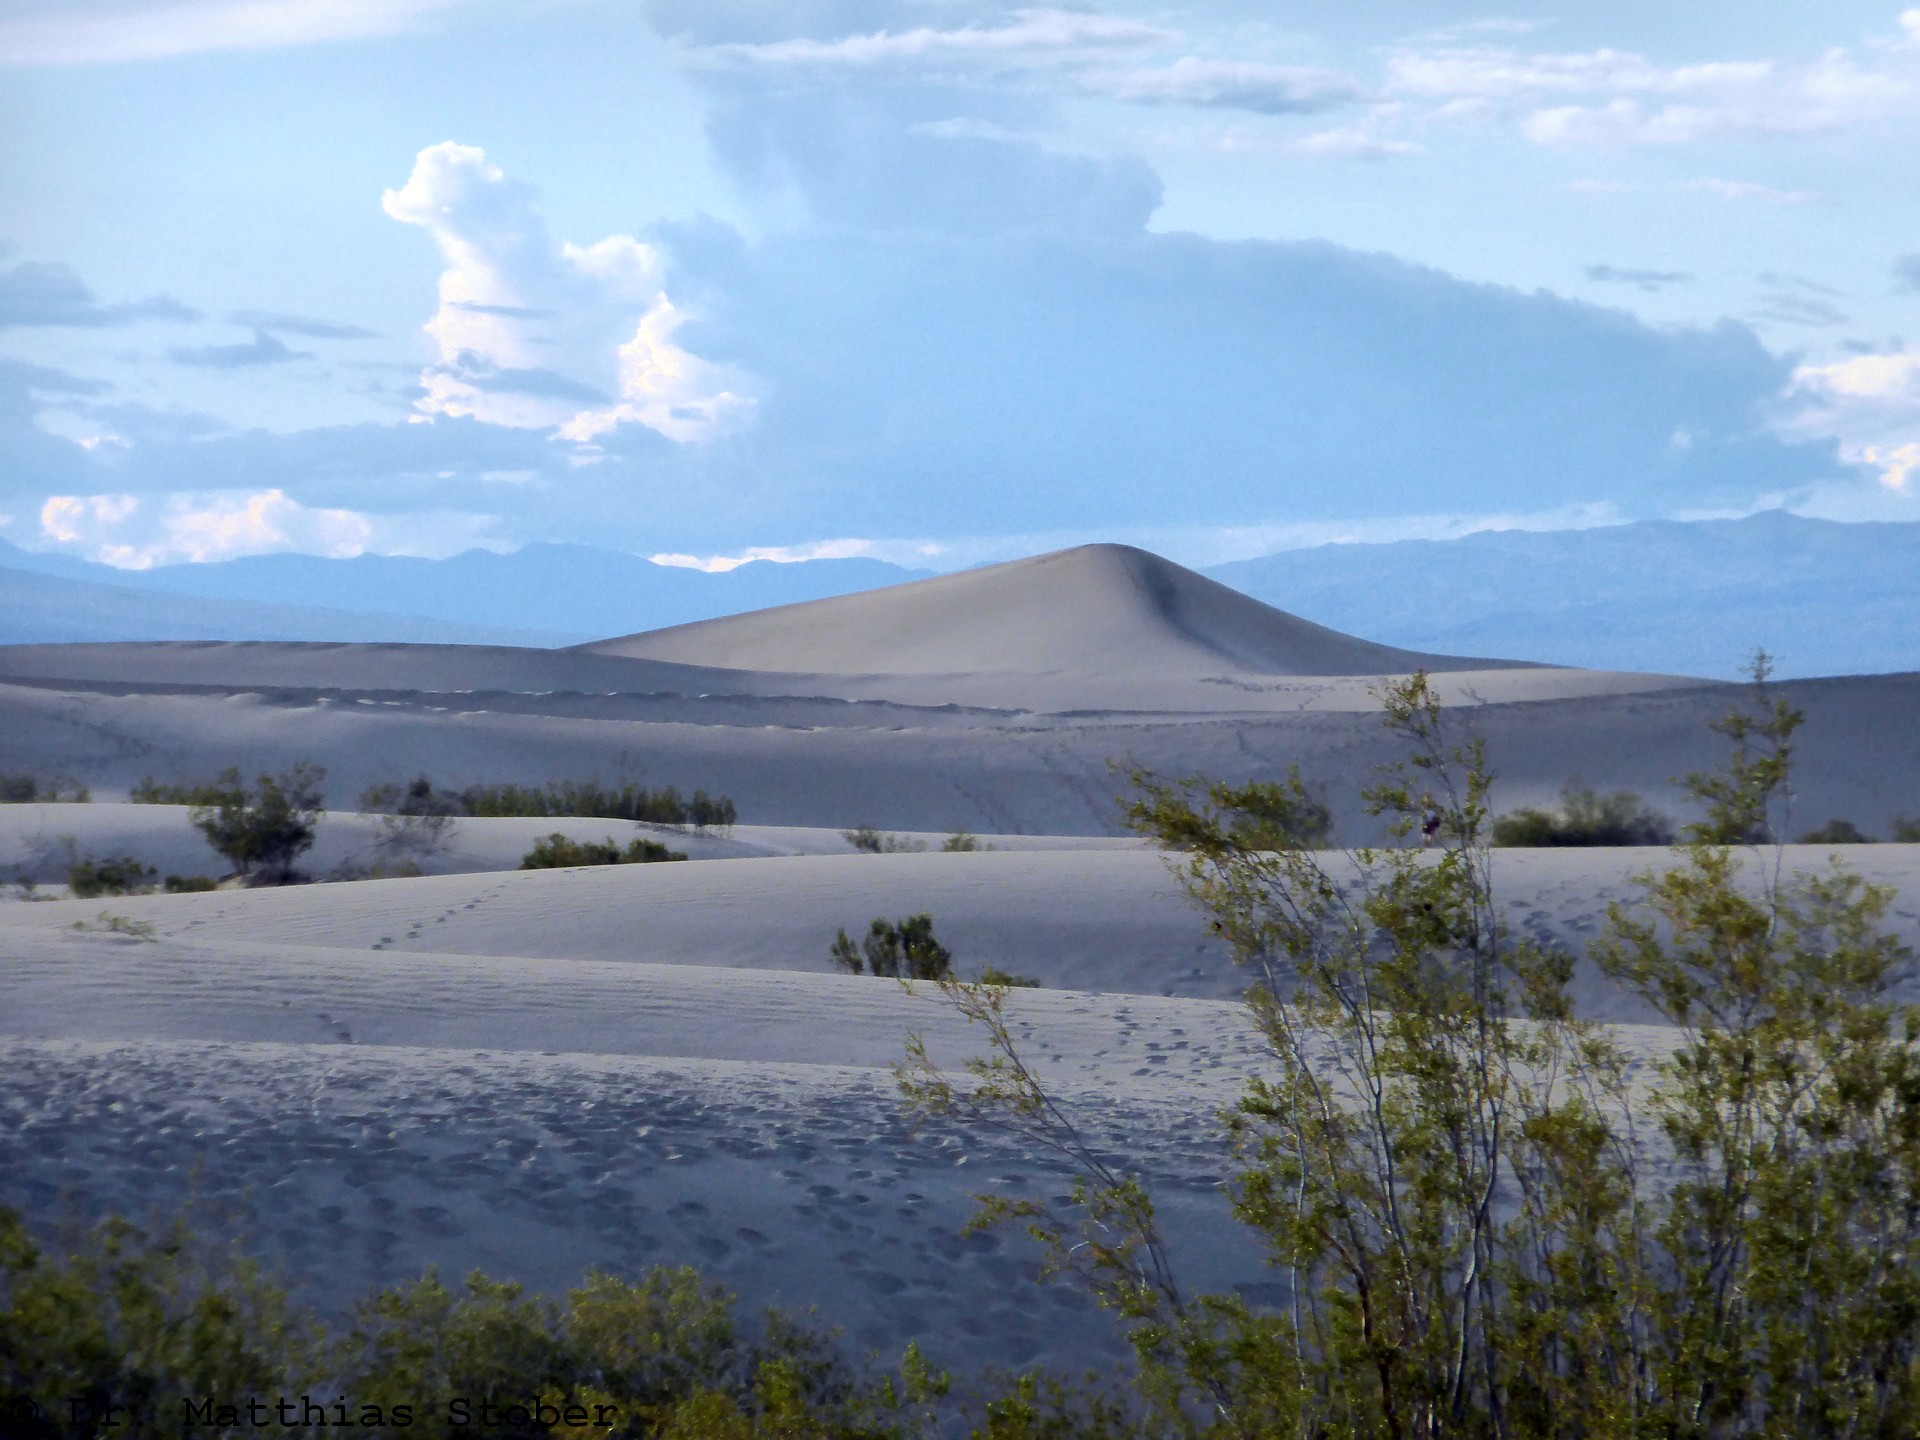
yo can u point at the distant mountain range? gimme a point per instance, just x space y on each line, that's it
538 595
1687 598
1690 598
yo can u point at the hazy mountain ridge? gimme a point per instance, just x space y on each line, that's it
41 609
569 593
1682 597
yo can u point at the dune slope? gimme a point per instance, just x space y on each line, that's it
1106 609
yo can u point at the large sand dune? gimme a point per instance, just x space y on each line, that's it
1096 609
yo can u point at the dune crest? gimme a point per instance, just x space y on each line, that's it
1094 609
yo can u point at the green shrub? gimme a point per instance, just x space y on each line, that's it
905 950
1586 817
261 831
870 841
1906 831
181 1340
1487 1218
1837 832
149 791
994 975
557 852
1259 815
591 799
34 789
415 818
124 875
189 884
417 797
960 842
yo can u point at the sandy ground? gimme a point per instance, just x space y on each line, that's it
534 1072
938 769
537 1071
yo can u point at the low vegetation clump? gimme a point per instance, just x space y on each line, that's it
1257 816
870 841
960 842
903 949
1489 1220
1837 832
1906 830
1586 817
994 975
557 852
415 818
109 923
89 878
149 791
182 1341
27 789
591 799
260 829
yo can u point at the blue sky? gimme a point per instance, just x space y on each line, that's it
945 280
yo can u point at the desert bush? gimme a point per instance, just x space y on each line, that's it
89 878
1258 815
180 1339
148 791
870 841
189 884
994 975
1837 832
1475 1234
591 799
415 818
961 842
557 852
1586 817
27 789
905 950
1905 830
261 831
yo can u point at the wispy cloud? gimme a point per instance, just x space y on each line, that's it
1619 97
1352 142
1228 84
263 349
1786 307
1748 190
41 32
1038 36
1648 280
34 294
301 325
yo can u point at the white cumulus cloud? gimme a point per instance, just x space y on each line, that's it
538 334
135 534
780 554
1871 404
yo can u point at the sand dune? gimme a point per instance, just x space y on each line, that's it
539 1071
536 1072
1100 609
835 764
